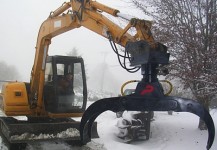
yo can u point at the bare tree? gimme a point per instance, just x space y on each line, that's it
189 29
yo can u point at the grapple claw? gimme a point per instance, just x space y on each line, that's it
187 105
92 113
140 103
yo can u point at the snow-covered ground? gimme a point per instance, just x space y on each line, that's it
168 132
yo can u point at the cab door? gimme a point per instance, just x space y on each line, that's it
67 92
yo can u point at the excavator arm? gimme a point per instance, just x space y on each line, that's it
141 50
89 15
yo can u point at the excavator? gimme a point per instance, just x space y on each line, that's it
49 112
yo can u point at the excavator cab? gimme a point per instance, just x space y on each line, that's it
65 89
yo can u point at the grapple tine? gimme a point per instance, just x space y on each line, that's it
92 113
187 105
141 103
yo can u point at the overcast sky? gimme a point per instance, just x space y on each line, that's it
19 25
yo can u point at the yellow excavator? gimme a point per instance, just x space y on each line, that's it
49 111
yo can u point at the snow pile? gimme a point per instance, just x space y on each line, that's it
94 145
94 95
168 132
71 132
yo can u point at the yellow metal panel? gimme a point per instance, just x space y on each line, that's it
104 8
15 113
15 94
16 108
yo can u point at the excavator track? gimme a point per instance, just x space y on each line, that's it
16 132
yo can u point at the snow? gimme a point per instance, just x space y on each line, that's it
71 132
168 132
63 146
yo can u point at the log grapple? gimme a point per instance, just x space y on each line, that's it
148 94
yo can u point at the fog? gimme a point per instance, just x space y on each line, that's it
20 22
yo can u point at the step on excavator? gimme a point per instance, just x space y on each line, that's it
49 109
